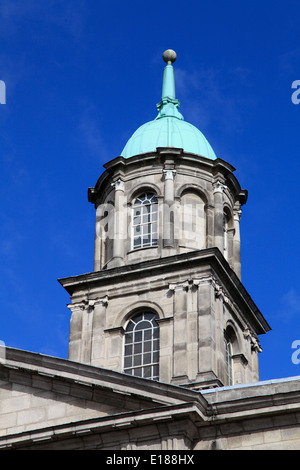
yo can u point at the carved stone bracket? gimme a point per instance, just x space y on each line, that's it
220 293
255 346
219 290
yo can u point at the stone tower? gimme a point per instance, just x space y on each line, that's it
165 300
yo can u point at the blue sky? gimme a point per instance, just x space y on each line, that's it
81 76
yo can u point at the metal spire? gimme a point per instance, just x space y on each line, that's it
169 104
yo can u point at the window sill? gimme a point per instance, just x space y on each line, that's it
136 250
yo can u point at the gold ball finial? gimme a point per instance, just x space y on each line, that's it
169 56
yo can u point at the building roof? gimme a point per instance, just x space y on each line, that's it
53 403
168 129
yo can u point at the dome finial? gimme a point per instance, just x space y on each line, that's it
169 104
168 129
169 56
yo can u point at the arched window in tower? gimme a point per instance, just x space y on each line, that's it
141 348
144 225
228 360
192 221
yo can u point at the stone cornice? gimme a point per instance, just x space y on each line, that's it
210 258
119 167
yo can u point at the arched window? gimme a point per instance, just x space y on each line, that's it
192 221
141 353
228 360
145 215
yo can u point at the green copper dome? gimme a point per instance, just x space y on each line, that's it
168 129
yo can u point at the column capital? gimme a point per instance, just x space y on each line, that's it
254 342
169 174
88 304
237 215
179 286
118 185
203 280
77 306
98 301
218 187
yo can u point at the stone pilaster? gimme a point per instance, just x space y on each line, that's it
237 244
210 239
168 211
120 226
207 361
254 349
180 331
218 189
114 347
86 330
99 319
166 349
86 335
98 244
75 331
104 235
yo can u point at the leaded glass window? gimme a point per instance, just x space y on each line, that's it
141 354
145 215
